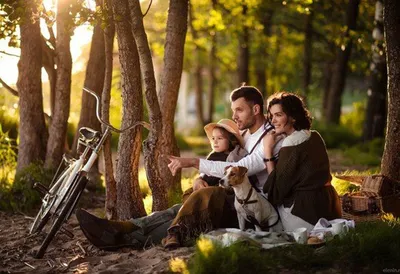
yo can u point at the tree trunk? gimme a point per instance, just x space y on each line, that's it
261 62
391 161
170 82
340 69
308 42
111 185
94 80
32 129
212 80
152 145
48 62
198 68
129 197
375 114
244 53
59 121
327 80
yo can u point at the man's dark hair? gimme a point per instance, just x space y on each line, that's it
293 105
250 94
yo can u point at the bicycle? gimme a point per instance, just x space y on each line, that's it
70 180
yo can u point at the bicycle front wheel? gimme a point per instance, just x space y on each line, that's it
59 218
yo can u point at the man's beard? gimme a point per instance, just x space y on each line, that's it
248 124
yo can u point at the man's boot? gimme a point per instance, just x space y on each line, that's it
107 234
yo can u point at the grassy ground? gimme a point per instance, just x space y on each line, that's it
371 247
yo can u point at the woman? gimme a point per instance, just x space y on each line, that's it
299 184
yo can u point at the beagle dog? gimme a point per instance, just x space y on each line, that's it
250 205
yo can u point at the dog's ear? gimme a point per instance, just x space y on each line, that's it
242 170
226 168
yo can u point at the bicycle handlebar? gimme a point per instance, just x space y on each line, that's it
144 124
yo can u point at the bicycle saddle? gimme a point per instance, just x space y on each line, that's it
88 135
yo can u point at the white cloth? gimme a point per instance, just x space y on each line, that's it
254 162
296 138
262 239
291 222
324 227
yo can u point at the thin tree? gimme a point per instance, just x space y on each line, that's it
170 82
375 114
59 121
390 165
152 145
129 197
340 68
243 51
111 185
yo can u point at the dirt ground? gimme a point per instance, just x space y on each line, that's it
77 255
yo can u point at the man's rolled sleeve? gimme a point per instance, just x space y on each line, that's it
253 162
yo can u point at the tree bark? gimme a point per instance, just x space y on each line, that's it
111 185
59 121
152 145
198 68
129 197
170 82
307 61
375 114
32 128
243 53
261 62
94 80
340 69
212 81
391 161
48 62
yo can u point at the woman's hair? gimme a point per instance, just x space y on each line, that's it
293 105
233 141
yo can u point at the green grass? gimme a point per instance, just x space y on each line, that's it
370 247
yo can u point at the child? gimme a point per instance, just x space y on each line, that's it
227 145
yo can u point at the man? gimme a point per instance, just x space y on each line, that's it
247 107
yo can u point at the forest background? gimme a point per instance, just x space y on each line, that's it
191 55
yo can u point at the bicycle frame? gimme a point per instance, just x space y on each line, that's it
67 187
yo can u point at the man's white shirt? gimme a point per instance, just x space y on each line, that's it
254 162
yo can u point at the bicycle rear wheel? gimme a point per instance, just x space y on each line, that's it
64 211
48 202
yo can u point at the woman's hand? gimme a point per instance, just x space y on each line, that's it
199 183
269 142
177 163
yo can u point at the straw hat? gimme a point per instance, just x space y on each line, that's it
227 124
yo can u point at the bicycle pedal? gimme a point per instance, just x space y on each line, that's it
67 232
41 188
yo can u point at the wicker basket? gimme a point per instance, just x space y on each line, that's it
377 194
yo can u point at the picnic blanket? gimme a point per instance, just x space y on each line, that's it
262 239
266 240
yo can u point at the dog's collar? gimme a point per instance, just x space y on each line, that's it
246 201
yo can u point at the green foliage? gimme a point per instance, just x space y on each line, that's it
354 120
336 136
7 166
9 121
370 247
23 196
369 153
